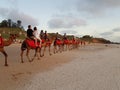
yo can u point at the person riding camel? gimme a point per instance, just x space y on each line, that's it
46 36
41 34
37 38
57 36
30 32
74 39
64 36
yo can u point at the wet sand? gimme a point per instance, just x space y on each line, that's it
91 67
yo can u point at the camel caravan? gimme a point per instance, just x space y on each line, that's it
39 42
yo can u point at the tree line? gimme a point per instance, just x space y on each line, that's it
11 24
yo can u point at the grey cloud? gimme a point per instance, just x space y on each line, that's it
111 35
117 39
55 23
4 12
69 32
116 30
89 7
65 22
106 33
96 6
16 15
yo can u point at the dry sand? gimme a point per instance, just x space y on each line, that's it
92 67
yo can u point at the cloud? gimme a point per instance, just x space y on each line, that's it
89 7
68 32
116 30
116 39
96 6
15 15
4 12
65 22
107 33
113 35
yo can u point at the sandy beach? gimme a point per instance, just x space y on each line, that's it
91 67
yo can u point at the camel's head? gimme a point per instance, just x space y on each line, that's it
13 36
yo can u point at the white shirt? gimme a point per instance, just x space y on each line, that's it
36 34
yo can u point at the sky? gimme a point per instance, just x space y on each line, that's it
97 18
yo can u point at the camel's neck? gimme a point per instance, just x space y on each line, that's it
8 42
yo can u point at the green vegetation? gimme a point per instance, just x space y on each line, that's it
6 31
10 27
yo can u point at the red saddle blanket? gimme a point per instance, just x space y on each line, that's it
31 43
1 41
43 40
65 41
59 42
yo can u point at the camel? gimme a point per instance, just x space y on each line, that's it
4 43
61 45
58 46
71 44
46 43
27 45
75 43
38 50
66 44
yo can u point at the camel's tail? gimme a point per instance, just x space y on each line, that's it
23 46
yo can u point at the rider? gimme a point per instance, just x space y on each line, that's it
56 37
73 39
64 36
46 36
41 34
37 38
30 32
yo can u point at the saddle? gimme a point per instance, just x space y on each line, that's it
66 41
31 43
1 41
59 42
47 42
43 40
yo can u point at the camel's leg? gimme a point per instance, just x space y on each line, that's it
55 49
69 47
5 54
23 48
22 51
27 54
66 47
60 48
44 50
37 50
40 52
49 50
36 54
